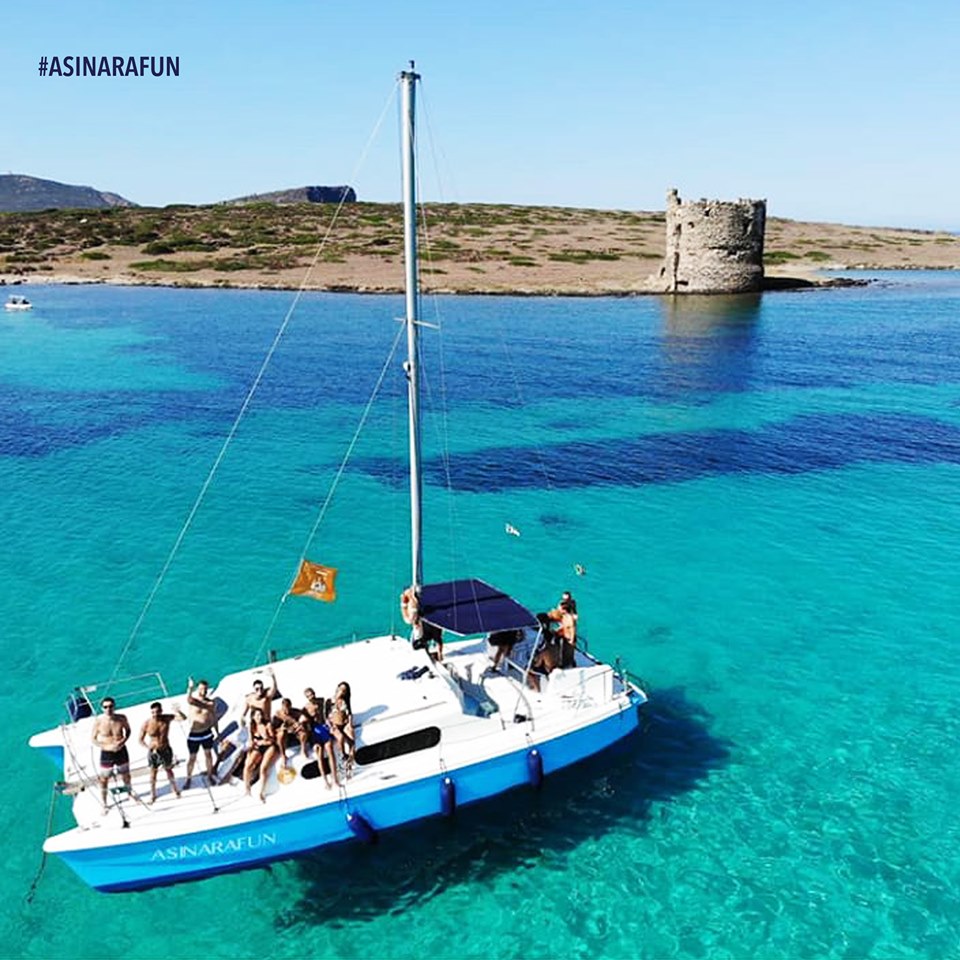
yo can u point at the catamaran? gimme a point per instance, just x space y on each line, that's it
433 731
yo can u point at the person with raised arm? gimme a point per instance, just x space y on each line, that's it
261 697
155 736
203 728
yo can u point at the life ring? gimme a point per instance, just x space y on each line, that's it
409 605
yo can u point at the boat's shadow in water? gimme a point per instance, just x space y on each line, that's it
617 791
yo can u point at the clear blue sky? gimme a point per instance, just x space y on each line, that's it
838 111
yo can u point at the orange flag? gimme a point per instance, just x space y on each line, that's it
316 581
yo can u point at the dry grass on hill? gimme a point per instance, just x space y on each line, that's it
467 248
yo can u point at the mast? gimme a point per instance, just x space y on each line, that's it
408 80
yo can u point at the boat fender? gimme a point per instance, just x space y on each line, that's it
448 797
409 605
535 768
361 828
78 706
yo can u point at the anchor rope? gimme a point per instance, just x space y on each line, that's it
32 890
247 400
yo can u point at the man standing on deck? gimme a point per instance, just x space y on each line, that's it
565 615
110 733
155 736
203 727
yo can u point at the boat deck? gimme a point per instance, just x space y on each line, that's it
397 691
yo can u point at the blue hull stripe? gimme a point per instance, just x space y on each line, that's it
54 754
223 850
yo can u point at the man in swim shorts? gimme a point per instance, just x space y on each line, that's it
110 733
566 617
155 736
289 724
203 728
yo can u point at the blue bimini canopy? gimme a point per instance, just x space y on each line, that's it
471 606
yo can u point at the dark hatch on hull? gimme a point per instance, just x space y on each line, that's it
398 746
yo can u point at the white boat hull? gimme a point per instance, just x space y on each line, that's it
512 738
188 856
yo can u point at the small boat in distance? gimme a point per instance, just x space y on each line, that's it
17 302
502 702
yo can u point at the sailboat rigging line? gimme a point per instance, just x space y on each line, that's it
182 722
206 782
115 798
452 515
394 515
411 288
445 446
83 778
333 487
434 149
444 431
246 402
443 441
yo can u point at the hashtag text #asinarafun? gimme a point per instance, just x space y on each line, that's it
110 66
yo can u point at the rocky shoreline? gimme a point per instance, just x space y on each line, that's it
771 284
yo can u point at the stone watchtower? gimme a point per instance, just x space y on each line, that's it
713 246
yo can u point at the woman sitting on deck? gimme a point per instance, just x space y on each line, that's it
315 714
262 752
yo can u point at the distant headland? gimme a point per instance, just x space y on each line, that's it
20 193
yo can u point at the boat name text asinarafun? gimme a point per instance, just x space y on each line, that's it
215 848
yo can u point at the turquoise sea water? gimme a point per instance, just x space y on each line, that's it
763 493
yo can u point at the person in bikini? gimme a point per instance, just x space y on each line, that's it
111 731
315 719
203 728
262 753
340 722
155 736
